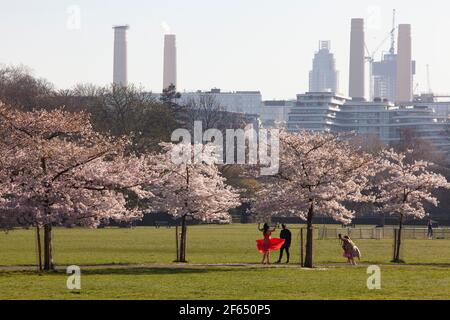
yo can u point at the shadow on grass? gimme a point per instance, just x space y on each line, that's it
141 271
425 264
155 271
386 263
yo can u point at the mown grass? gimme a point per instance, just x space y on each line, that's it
426 275
231 283
206 244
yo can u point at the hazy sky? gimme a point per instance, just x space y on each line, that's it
262 45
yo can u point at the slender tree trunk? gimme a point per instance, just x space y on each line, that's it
399 240
383 220
48 248
302 261
39 247
177 243
183 222
182 249
48 245
309 239
184 241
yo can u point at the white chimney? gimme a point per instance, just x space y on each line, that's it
404 65
357 60
170 61
120 76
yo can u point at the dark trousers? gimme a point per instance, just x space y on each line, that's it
288 255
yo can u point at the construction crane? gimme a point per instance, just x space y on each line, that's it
430 91
370 58
416 88
394 27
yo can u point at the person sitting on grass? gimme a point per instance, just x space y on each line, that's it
268 243
351 251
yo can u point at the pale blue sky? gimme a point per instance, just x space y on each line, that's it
262 45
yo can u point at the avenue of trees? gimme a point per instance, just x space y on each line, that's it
55 170
92 155
322 173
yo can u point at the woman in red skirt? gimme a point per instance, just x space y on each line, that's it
268 243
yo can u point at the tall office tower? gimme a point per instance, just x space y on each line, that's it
170 61
384 75
357 86
404 65
324 77
120 76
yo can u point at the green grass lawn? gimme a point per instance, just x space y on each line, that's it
426 275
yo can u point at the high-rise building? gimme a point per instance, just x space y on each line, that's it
357 82
170 61
324 77
384 77
120 77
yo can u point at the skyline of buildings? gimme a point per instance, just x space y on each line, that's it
205 64
381 82
388 108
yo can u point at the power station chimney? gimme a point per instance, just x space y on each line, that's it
404 65
357 60
170 61
120 77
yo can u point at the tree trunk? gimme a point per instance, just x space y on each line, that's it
48 248
309 239
399 241
177 243
383 220
39 247
182 249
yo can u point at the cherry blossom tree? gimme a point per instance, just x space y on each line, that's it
192 187
318 173
406 189
55 170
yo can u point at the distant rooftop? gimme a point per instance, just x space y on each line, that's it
126 26
218 90
276 103
324 45
325 93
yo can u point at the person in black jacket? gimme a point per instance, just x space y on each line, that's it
430 228
287 236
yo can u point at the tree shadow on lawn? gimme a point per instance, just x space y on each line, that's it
424 264
141 271
156 271
385 263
